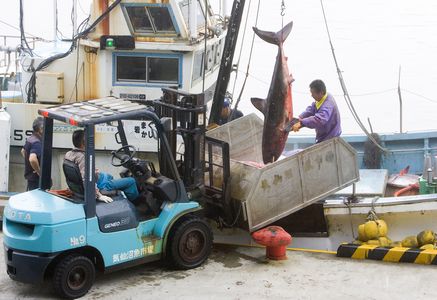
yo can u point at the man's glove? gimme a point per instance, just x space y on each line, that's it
290 125
105 199
296 127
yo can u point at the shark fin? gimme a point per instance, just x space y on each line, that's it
275 38
260 104
290 79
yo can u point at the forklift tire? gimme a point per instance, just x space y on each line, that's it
190 243
73 276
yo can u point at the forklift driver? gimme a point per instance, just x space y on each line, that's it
105 182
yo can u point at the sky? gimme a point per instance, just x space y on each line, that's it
372 40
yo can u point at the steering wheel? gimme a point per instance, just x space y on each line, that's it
121 155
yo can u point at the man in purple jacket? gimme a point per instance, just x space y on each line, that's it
322 115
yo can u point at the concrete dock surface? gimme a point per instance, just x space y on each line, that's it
243 273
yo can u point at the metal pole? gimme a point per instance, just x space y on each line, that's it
74 17
400 100
55 20
205 58
193 19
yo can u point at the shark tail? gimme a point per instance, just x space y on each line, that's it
275 38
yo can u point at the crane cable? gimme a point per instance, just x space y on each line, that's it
345 92
248 66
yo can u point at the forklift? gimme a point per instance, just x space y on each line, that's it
69 236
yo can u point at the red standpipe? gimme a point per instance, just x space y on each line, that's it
275 238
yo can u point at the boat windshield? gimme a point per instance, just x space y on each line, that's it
148 19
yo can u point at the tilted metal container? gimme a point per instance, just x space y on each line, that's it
271 192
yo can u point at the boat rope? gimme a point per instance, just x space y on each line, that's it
348 203
288 248
343 86
372 209
248 65
241 48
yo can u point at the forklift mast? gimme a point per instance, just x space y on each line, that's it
187 113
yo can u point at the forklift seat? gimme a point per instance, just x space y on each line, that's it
115 216
73 178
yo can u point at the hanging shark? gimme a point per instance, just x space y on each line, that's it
277 108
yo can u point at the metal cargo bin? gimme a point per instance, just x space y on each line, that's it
269 193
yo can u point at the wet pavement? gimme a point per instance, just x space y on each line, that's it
244 273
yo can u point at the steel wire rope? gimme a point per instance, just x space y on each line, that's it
248 66
354 95
81 8
419 95
32 35
343 86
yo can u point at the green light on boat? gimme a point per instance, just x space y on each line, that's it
110 43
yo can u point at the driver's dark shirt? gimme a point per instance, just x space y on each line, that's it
32 145
77 156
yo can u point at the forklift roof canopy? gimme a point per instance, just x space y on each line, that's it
98 111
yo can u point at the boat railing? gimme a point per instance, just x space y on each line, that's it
403 149
10 53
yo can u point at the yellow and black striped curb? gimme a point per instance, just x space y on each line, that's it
391 254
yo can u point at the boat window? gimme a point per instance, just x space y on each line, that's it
185 9
163 69
210 57
139 19
149 19
197 65
161 18
146 68
131 68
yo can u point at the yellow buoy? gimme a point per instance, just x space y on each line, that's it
373 242
361 233
384 241
410 242
371 230
396 244
427 246
426 237
382 227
